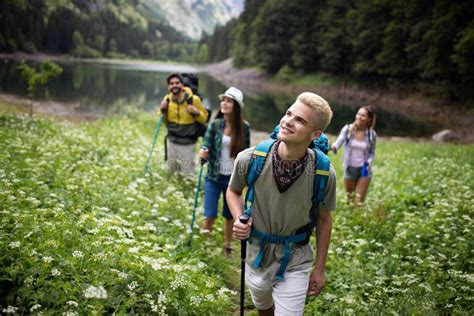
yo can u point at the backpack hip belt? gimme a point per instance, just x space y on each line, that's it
274 239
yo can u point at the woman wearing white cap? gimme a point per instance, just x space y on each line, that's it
225 137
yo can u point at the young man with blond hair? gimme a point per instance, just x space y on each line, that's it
281 207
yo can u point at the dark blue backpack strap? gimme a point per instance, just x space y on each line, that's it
256 164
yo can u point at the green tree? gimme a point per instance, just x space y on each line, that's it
334 46
77 39
147 48
273 30
112 45
34 78
304 43
368 21
243 52
202 53
99 42
463 51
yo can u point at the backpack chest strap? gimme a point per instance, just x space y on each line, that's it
274 239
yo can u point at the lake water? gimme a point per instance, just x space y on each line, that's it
110 88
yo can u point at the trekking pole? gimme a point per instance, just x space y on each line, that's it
196 197
243 254
157 130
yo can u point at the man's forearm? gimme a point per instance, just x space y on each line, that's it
323 236
235 203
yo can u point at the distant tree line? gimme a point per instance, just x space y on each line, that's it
109 28
426 43
216 47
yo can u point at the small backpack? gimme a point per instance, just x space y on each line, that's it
192 81
257 162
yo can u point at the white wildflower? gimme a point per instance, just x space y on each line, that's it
133 249
170 247
177 283
47 259
128 232
72 303
10 310
425 286
132 285
195 300
156 248
209 298
95 292
78 253
35 307
14 244
329 296
55 272
222 293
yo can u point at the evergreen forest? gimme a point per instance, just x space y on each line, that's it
423 44
93 29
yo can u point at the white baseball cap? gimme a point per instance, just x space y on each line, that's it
234 94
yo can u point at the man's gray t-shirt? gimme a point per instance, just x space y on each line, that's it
281 213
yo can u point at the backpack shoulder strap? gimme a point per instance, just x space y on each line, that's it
256 164
321 178
190 100
347 134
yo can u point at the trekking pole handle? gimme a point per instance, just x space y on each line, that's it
244 218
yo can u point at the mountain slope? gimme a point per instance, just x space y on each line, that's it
195 17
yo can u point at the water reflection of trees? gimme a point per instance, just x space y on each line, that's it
388 123
264 112
108 88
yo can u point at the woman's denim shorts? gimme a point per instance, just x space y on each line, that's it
354 173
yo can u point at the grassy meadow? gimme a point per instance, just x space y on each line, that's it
83 231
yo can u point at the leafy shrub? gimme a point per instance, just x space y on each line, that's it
86 51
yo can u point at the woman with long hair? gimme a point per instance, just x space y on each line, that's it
359 139
226 136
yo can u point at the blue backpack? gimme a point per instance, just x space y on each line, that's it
320 147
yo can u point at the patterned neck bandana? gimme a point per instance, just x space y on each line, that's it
286 172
